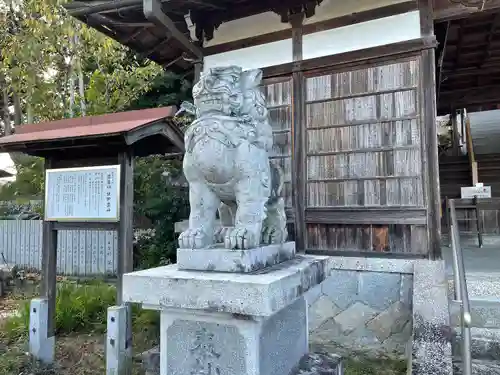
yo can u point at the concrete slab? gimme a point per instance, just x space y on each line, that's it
220 259
260 293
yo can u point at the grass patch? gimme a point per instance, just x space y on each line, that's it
79 308
75 355
80 318
374 366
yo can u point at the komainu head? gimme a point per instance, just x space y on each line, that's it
219 91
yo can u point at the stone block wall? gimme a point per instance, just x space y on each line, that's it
364 305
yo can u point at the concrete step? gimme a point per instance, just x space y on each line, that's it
485 313
479 367
485 344
480 287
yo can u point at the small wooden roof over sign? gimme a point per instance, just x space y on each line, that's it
148 132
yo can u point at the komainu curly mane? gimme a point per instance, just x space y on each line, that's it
227 164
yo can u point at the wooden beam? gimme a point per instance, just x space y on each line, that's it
451 92
206 3
483 203
85 10
154 13
341 215
132 36
440 61
148 52
109 21
85 226
446 10
350 59
473 71
489 41
459 43
476 101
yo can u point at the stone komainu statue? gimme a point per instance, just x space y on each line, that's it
227 164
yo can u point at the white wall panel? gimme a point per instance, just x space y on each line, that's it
374 33
260 56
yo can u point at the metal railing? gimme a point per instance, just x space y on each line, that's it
461 293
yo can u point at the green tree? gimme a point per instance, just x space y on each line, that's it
51 67
163 204
29 180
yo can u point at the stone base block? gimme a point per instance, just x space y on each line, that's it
261 293
41 346
118 353
200 343
228 323
220 259
310 364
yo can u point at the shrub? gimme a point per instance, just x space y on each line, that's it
79 308
161 203
83 307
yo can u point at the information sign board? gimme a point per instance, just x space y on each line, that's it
83 194
470 192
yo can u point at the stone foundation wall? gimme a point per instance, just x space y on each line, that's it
364 305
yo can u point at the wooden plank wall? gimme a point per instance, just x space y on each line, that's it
278 94
365 160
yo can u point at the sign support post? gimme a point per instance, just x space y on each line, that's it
97 197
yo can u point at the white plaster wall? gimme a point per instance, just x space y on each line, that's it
374 33
260 56
329 9
269 22
259 24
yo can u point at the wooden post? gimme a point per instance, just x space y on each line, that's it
428 82
43 310
475 174
49 266
456 135
126 236
462 125
299 157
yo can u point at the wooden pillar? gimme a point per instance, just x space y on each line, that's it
125 232
456 133
428 82
298 137
49 266
462 125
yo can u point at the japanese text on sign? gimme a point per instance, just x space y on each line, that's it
470 192
82 194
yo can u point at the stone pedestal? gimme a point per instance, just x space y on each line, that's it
221 323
